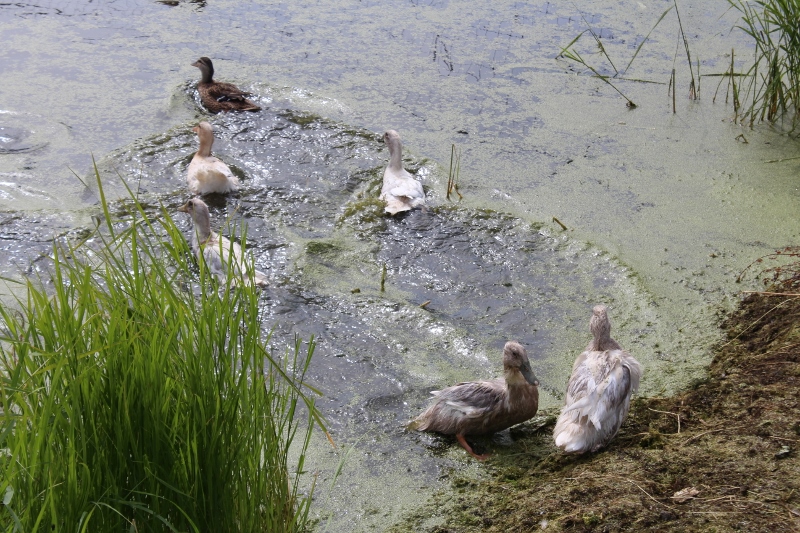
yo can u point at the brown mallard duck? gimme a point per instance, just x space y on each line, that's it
599 391
400 190
484 407
220 96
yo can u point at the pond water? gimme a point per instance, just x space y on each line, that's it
662 210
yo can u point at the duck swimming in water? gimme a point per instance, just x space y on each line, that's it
400 190
599 391
484 407
220 96
206 173
216 250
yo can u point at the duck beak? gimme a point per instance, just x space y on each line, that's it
184 208
527 373
196 63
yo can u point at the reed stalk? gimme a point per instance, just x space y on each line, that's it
772 85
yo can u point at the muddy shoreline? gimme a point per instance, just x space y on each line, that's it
719 456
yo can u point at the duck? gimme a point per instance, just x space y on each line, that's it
217 250
400 190
604 376
220 96
484 407
206 173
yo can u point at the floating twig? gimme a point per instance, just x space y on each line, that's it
559 223
383 278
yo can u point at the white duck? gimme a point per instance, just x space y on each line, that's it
206 173
216 250
599 391
400 190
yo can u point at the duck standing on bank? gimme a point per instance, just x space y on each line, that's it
217 251
484 407
599 391
400 190
220 96
206 173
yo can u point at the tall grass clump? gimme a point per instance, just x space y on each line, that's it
772 89
137 395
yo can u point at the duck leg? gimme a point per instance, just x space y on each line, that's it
464 444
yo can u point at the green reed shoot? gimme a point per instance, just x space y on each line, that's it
454 173
772 89
137 395
569 52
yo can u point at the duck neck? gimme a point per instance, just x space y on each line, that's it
206 141
519 391
395 156
202 227
206 74
203 231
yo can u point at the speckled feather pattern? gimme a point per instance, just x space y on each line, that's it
598 393
483 407
220 96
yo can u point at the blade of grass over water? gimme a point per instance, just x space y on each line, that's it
137 394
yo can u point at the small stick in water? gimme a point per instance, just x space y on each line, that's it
559 223
424 304
383 277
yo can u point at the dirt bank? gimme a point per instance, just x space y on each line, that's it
721 456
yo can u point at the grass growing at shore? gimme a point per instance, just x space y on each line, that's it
772 87
136 395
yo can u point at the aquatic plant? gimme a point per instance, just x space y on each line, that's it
138 395
772 86
454 172
569 52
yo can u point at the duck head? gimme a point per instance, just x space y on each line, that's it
392 140
198 210
515 360
206 69
205 133
599 324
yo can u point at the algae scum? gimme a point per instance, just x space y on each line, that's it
663 210
459 282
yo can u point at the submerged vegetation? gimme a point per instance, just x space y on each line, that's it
137 395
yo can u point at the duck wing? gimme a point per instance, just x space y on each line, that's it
209 174
601 388
226 92
409 188
473 399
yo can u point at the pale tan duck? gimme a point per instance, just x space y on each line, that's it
206 173
599 391
484 407
400 190
220 96
217 251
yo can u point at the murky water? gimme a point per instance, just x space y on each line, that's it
663 210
